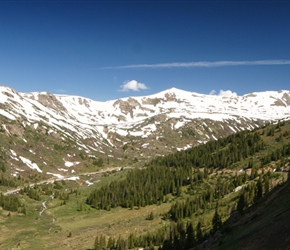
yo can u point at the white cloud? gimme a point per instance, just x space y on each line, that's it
133 85
203 64
225 93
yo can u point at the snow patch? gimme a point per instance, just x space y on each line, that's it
59 176
89 183
184 148
30 164
214 137
179 124
68 164
145 145
237 189
72 178
7 115
13 152
62 169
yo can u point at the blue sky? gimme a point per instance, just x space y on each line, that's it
110 49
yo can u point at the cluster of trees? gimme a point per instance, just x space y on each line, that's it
7 181
141 187
11 203
254 191
165 175
182 235
37 191
2 161
2 165
208 197
176 236
32 192
277 154
216 154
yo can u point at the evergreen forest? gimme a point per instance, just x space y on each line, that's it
206 185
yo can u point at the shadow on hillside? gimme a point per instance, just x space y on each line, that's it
262 226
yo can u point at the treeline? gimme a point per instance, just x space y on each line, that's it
165 175
141 187
215 154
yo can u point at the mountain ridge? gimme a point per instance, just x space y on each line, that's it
127 130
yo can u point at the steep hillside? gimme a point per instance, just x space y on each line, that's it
263 226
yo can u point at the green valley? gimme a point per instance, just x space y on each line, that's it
180 201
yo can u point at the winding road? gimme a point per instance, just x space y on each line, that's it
52 180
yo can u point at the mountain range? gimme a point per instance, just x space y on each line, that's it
52 134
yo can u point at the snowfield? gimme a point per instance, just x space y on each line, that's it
107 123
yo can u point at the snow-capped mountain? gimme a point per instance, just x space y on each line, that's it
134 127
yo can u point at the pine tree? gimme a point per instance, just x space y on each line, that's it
199 234
241 203
216 221
111 243
259 190
190 239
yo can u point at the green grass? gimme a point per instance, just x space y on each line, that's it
52 228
